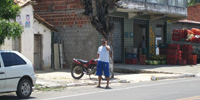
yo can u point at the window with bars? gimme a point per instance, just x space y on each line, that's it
157 1
179 3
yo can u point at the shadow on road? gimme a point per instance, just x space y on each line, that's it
14 98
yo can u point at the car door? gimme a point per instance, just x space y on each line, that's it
14 68
2 76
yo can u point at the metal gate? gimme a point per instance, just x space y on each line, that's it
117 39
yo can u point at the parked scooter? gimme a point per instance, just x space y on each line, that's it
81 67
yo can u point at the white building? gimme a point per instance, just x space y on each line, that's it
35 42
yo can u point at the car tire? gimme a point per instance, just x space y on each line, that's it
24 89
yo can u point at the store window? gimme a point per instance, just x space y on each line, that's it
157 1
172 2
139 0
179 3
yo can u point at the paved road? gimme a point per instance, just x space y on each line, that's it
179 89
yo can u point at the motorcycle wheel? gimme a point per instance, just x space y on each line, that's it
77 72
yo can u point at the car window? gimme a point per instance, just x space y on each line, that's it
11 59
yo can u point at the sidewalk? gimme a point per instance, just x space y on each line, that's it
192 69
123 74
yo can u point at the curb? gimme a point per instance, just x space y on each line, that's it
122 70
155 78
197 75
129 70
79 84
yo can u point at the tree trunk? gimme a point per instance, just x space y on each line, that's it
100 20
111 62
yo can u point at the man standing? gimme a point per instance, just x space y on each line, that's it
103 62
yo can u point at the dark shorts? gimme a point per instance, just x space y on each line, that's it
103 66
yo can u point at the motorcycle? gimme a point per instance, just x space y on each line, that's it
81 67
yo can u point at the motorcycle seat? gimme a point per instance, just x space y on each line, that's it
83 61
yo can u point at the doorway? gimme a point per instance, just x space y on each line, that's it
38 51
159 37
139 33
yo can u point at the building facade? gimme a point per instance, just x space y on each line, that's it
133 19
35 41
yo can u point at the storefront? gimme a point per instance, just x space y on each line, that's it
140 35
144 25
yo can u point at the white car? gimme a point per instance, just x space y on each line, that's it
16 74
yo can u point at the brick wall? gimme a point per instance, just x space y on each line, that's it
194 12
65 19
80 38
62 12
56 5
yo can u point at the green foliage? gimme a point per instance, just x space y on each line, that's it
8 13
193 2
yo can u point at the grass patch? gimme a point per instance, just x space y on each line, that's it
51 89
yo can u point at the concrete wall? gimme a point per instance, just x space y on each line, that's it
46 42
27 37
152 8
78 42
7 44
128 29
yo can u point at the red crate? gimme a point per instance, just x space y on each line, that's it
192 57
143 57
182 35
180 58
186 47
196 40
185 33
142 62
177 31
176 35
189 52
174 52
172 62
135 61
182 62
176 39
162 51
128 61
185 57
174 46
172 57
192 62
131 61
